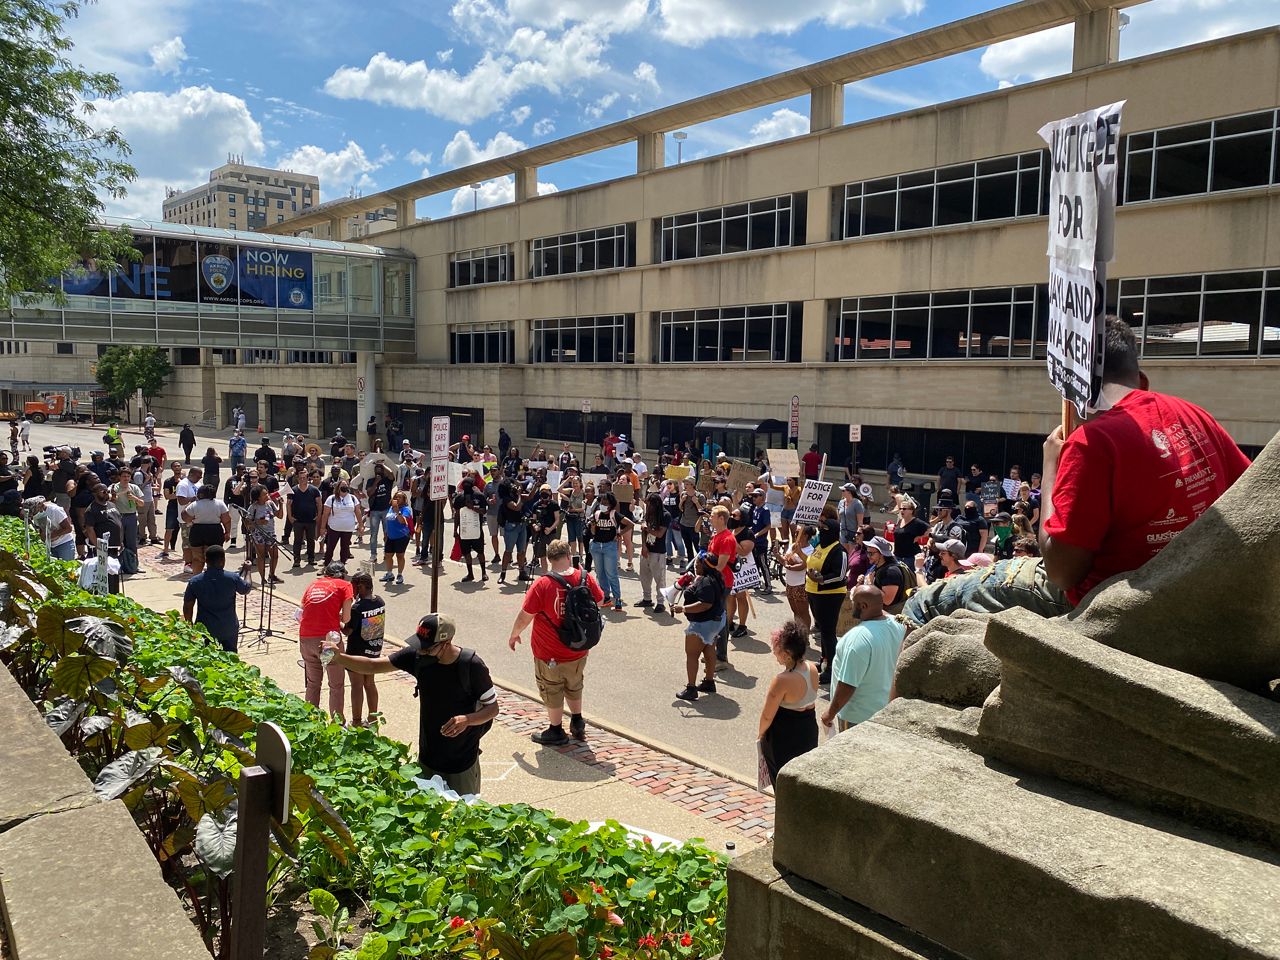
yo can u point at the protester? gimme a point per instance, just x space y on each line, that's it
457 699
326 606
885 574
788 720
1017 582
128 498
398 528
851 513
378 491
825 585
264 511
212 464
949 478
62 535
721 554
339 519
102 519
704 606
908 530
545 521
302 508
795 562
739 604
364 632
210 596
210 525
866 658
469 506
186 492
654 531
172 520
1129 480
603 526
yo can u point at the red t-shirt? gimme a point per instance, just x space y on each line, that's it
609 447
157 453
812 464
322 606
545 600
1135 477
725 544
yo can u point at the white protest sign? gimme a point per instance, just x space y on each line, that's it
555 478
455 472
537 465
813 497
439 438
747 575
1074 357
440 479
784 463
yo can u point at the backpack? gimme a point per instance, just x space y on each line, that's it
582 624
465 659
909 584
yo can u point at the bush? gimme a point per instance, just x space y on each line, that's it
163 718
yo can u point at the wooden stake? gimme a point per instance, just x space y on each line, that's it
249 879
1068 418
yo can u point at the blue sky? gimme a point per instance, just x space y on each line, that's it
370 95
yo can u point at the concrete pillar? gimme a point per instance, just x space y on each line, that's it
337 228
1097 39
526 183
651 152
366 387
818 216
813 339
406 213
313 418
644 243
522 332
826 107
645 346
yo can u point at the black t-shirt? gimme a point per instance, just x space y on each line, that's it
379 490
366 626
269 482
904 539
949 479
8 482
708 588
105 520
442 695
548 516
973 527
306 503
509 492
671 503
606 526
889 576
169 486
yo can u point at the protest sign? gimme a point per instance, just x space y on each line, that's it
537 465
813 497
624 491
676 472
555 478
741 474
784 463
455 474
747 575
706 481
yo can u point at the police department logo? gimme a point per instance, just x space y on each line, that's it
217 271
296 297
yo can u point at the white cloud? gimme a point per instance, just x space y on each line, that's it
491 194
529 59
168 57
1153 27
615 17
544 127
595 111
118 35
444 56
647 74
418 158
780 125
338 170
693 22
520 114
176 139
462 151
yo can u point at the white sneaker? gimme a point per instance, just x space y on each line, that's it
186 568
399 579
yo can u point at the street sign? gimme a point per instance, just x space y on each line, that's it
439 479
586 406
360 384
855 433
795 416
439 438
813 497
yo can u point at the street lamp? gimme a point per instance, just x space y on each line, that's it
681 137
475 197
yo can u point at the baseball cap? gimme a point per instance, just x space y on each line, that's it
622 436
946 499
546 487
404 442
956 548
881 544
466 436
978 560
852 488
434 628
1002 517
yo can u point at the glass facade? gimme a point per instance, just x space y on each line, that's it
586 250
543 424
486 265
194 286
1233 314
763 333
756 225
1231 153
482 343
606 339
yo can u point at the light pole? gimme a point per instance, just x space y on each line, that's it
680 137
475 197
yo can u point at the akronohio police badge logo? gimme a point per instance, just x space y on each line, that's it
217 271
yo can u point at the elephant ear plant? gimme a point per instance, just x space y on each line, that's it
151 740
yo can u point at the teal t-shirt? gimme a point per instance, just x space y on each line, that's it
865 658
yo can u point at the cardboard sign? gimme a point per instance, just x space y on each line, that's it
624 491
784 463
706 482
747 576
677 471
813 497
741 474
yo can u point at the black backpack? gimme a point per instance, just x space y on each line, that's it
465 660
583 623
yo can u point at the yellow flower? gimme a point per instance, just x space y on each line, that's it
710 921
652 894
631 882
435 834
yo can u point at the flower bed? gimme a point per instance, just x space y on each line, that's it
161 718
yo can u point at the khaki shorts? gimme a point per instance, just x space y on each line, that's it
186 536
557 683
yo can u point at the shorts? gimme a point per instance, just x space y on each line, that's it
515 536
473 546
396 546
491 521
788 515
705 630
186 536
556 683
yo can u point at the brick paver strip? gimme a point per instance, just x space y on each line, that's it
711 796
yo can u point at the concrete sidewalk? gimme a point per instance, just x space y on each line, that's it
607 777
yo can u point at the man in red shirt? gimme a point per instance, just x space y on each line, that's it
722 551
1131 478
326 605
812 462
609 447
157 453
557 669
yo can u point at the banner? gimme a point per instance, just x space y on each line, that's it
1082 196
218 279
274 278
746 576
813 497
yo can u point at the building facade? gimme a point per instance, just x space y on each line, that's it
242 197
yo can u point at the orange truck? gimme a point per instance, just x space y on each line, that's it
53 406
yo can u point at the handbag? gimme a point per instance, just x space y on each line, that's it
456 553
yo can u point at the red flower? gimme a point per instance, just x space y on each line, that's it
686 941
598 889
569 897
457 922
648 841
606 951
648 940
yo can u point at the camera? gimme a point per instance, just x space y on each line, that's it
52 451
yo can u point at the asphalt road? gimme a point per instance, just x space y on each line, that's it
632 676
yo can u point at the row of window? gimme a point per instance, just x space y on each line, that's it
575 427
1206 157
765 333
605 339
482 343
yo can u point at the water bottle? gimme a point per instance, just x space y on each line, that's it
326 653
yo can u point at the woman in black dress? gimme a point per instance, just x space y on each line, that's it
788 721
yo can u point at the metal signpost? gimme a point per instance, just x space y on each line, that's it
439 493
586 415
794 439
855 438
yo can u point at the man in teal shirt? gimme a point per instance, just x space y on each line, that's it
866 657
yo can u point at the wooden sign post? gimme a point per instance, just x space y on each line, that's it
263 796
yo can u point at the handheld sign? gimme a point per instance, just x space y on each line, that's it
741 474
676 471
747 576
1083 151
784 463
813 497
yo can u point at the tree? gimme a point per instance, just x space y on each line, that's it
55 165
123 371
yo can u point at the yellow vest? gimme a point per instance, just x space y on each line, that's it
817 560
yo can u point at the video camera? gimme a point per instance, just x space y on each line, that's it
52 451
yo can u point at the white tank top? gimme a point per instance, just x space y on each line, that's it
810 691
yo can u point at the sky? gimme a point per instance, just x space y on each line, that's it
371 95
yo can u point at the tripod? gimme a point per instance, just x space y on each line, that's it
256 541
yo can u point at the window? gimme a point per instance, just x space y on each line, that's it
228 357
231 213
996 189
279 218
260 356
231 198
757 225
925 449
1227 154
308 356
569 425
486 265
65 349
279 204
1211 315
601 249
294 206
482 343
671 429
761 333
102 350
606 339
11 347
